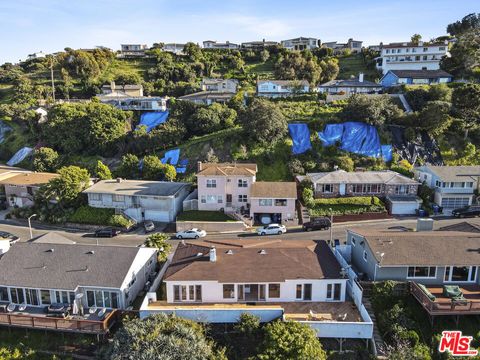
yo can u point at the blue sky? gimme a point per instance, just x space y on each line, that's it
28 26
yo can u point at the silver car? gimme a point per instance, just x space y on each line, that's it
191 234
272 229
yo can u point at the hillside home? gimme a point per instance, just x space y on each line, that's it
133 50
139 103
454 185
298 280
127 90
210 44
411 56
224 185
415 77
273 200
281 88
351 86
219 85
355 46
20 189
301 43
36 55
75 288
208 97
140 199
258 45
400 192
174 48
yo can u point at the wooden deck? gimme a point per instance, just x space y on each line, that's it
443 305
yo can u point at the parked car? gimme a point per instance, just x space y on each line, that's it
467 211
272 229
107 232
7 236
149 226
191 234
322 223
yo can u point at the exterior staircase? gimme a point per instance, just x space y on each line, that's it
379 344
405 103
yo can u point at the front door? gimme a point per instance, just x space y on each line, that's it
229 200
342 189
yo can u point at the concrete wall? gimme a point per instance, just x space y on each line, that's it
212 226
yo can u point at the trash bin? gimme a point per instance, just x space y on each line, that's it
421 212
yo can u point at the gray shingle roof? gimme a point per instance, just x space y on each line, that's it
136 187
454 173
68 266
350 83
359 177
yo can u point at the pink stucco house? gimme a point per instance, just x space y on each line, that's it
274 200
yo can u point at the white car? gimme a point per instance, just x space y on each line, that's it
272 229
191 234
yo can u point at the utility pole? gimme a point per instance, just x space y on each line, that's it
53 81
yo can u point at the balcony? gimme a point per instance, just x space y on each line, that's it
36 318
436 303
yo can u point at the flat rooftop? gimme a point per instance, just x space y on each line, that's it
136 187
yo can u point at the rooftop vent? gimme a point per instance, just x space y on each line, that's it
262 252
213 254
229 252
119 180
91 252
51 250
199 254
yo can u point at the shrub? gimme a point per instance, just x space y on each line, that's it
345 206
95 216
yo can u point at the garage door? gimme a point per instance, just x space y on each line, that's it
155 215
404 208
455 202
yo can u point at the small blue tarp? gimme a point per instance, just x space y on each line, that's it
181 170
182 166
19 156
356 137
171 157
301 138
153 119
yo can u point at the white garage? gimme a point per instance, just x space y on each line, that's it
455 202
156 215
402 205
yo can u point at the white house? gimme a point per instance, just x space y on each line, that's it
40 274
219 85
140 199
301 43
174 48
350 86
133 50
210 44
454 185
354 46
411 56
36 55
281 88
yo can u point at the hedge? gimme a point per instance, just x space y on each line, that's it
96 216
346 206
353 200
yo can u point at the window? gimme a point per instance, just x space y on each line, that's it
228 291
95 197
280 202
438 183
422 272
425 57
273 290
108 299
460 273
17 295
29 190
469 184
211 183
32 296
118 198
211 199
401 189
367 188
198 292
307 292
265 202
441 48
334 292
353 241
240 292
299 291
425 49
203 199
364 255
242 183
417 58
325 188
3 294
179 292
242 198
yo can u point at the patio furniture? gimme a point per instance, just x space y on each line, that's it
452 292
320 316
22 307
102 312
58 310
11 307
92 310
427 292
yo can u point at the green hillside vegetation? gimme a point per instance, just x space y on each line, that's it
352 65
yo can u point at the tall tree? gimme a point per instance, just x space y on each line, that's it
469 22
466 105
416 38
102 171
45 159
129 167
374 111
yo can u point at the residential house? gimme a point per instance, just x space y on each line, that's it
174 48
42 114
21 188
273 201
127 90
258 45
40 282
420 77
300 280
133 50
399 191
354 46
208 97
351 86
454 185
411 56
377 48
224 185
219 85
140 199
301 43
36 55
281 88
210 44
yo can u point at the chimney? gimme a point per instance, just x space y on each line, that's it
213 254
119 180
112 85
360 77
199 166
425 224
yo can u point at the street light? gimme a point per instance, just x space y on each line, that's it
331 226
30 225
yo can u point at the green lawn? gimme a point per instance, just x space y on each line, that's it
353 65
196 215
263 70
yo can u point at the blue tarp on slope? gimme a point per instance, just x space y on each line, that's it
182 166
171 157
153 119
301 138
19 156
356 137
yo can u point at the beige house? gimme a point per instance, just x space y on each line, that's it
224 185
219 85
128 90
21 188
273 201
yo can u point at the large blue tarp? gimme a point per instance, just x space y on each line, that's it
356 137
19 156
301 138
153 119
171 157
